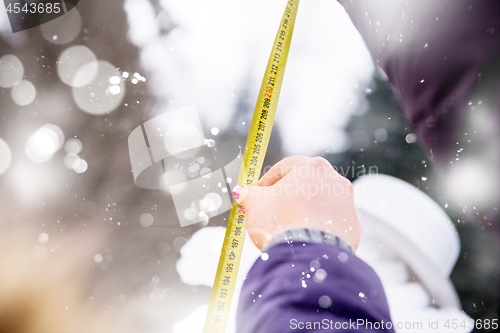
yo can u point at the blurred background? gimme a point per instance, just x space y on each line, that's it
82 246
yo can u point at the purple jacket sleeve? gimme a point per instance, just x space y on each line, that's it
312 287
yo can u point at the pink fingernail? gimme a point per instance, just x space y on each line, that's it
236 191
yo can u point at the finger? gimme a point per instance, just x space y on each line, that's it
279 170
246 196
321 167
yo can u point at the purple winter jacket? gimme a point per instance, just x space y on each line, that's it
442 59
288 292
434 53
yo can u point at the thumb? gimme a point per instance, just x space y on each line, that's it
246 196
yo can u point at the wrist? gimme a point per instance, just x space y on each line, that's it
308 235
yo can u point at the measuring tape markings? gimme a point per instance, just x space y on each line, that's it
253 159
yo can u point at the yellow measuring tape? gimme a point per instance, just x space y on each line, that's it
253 158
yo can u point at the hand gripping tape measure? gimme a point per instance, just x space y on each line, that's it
253 158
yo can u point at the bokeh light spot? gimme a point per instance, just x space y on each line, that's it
63 29
71 62
146 220
99 97
11 71
23 93
44 142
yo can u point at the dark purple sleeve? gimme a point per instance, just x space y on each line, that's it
432 52
312 287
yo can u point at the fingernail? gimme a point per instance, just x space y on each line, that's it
237 195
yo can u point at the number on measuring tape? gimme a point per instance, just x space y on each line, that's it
253 159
